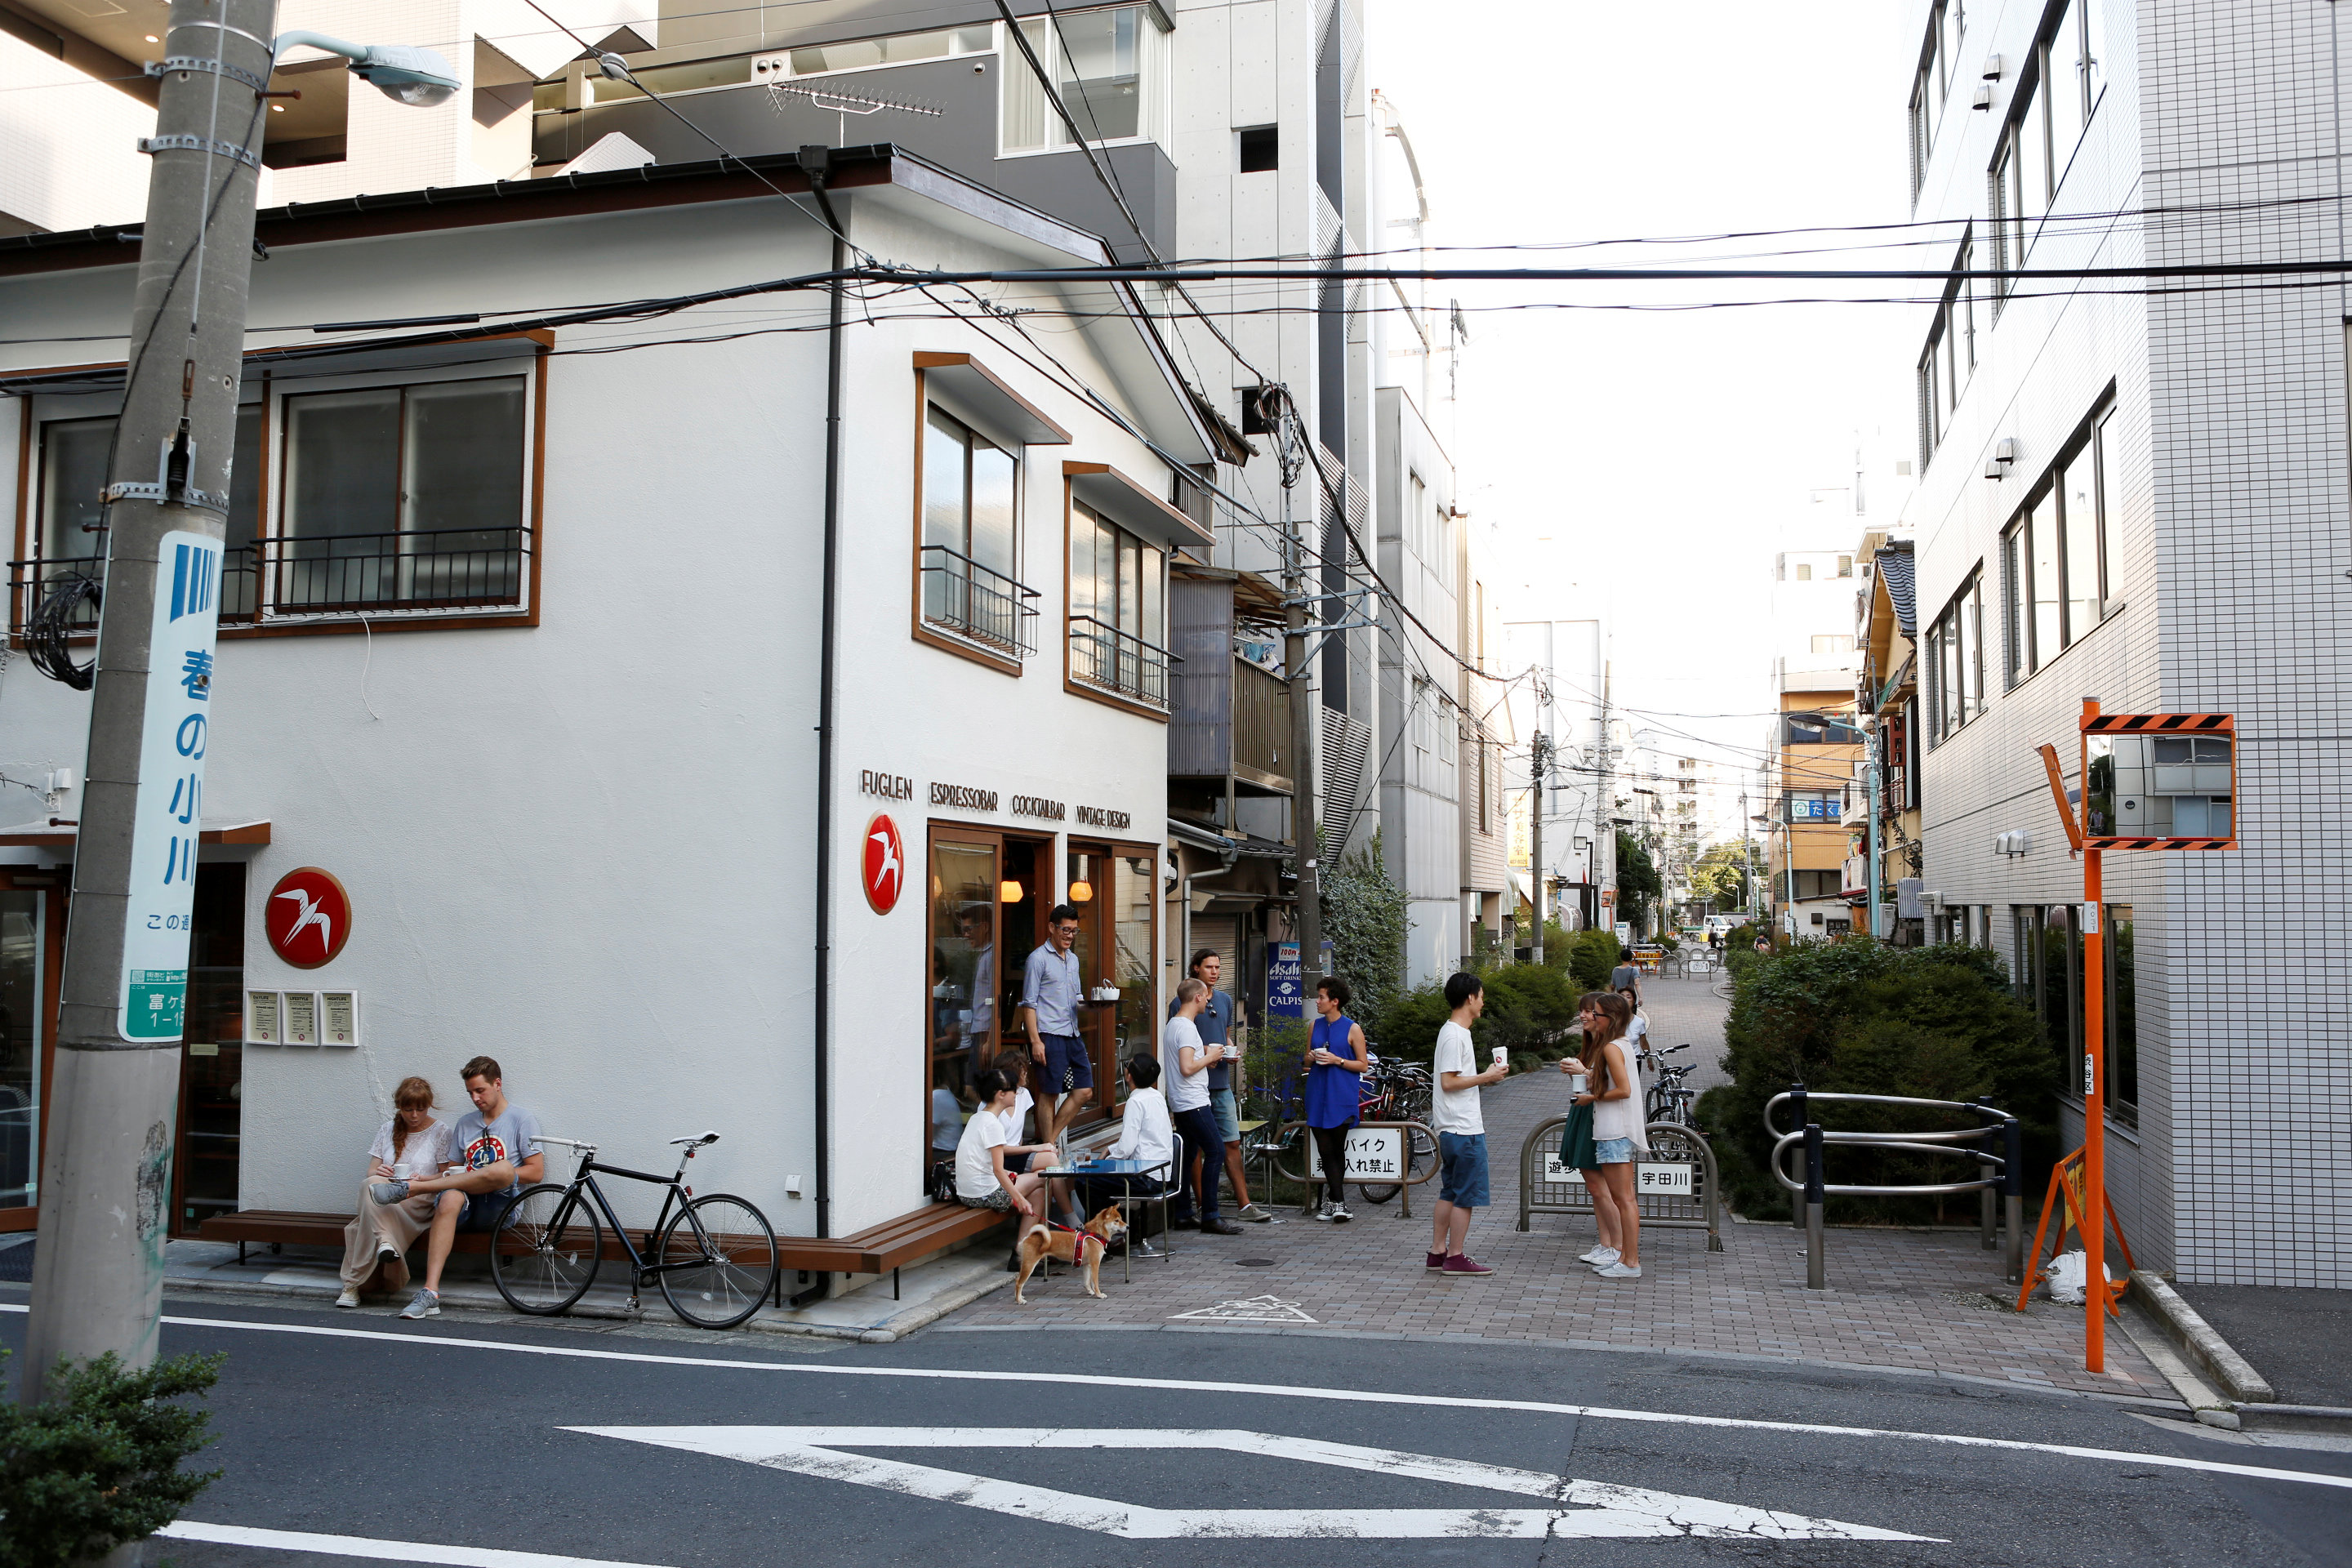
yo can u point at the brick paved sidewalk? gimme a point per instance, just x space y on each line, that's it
1898 1298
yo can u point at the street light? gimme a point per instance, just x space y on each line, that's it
403 73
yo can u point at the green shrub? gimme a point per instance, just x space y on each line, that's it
1934 1023
98 1467
1408 1028
1594 955
1364 921
1276 1051
1859 1018
1529 1005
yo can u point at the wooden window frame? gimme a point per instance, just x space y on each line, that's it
918 625
1070 681
262 366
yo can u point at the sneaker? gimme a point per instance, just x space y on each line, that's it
349 1298
389 1192
1254 1215
1462 1263
1339 1215
424 1304
1219 1228
1597 1256
1323 1210
1619 1271
1435 1260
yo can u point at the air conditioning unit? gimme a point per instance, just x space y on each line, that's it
2014 843
1932 902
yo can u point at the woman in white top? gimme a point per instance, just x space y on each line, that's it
410 1144
1618 1135
981 1180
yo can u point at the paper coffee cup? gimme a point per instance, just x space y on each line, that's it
1576 1083
1502 1055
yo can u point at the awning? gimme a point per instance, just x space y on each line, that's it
1133 506
59 833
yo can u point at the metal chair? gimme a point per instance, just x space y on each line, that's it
1167 1177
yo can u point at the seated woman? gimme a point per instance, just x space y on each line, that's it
376 1243
981 1180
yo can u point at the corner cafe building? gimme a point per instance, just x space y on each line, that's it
517 683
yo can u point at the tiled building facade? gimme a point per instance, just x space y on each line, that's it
2141 496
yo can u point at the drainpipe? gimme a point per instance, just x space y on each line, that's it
816 163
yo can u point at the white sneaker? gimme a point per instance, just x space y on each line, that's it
1619 1271
1323 1209
349 1298
1597 1256
1339 1215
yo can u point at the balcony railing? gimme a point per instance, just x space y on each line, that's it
443 569
1119 662
977 602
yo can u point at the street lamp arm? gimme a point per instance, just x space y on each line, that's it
417 76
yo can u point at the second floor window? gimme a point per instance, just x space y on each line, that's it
1118 619
2053 559
971 544
1106 68
403 496
1955 662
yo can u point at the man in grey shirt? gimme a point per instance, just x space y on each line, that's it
496 1147
1052 991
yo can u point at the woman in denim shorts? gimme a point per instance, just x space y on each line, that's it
1613 1093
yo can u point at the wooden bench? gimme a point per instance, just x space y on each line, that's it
882 1248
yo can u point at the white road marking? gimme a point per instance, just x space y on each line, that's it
1578 1509
1278 1391
381 1551
1252 1310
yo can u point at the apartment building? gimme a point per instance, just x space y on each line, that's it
2141 496
1886 636
1812 746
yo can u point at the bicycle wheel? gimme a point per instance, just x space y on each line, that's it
730 1256
1421 1156
544 1250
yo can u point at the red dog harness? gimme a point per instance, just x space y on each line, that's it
1077 1247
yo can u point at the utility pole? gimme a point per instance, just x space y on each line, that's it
1304 832
1539 753
98 1280
106 1163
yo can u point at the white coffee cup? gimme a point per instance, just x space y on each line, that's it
1502 1055
1576 1083
402 1171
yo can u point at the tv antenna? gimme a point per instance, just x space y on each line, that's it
842 105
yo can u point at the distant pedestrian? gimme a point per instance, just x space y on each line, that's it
1614 1093
1337 1060
1051 994
1627 976
1184 1063
1764 945
1461 1127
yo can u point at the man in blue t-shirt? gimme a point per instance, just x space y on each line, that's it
1219 1017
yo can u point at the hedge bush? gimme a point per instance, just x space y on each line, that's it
98 1467
1861 1017
1594 955
1529 1008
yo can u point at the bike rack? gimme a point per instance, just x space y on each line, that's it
1670 1144
1405 1181
2004 1172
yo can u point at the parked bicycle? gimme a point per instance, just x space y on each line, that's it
715 1257
1669 1101
1399 1091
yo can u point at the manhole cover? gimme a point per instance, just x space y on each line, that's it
1252 1262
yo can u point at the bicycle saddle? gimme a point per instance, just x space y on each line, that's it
694 1143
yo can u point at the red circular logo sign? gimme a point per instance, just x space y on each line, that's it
308 917
885 864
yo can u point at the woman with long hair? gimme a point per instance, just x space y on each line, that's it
1336 1060
1613 1091
376 1243
1576 1150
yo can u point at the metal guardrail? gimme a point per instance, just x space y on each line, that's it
1546 1186
977 602
1102 656
2004 1173
1287 1142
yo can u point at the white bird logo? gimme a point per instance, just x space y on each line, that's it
889 867
307 914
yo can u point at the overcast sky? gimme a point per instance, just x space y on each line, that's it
1667 455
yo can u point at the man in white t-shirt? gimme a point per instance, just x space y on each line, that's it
1184 1063
1461 1129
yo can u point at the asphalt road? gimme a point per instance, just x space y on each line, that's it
1079 1447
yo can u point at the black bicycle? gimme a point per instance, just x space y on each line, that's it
715 1258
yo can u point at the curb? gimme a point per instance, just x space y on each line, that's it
2201 1341
2325 1418
889 1331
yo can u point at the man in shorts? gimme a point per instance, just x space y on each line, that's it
1219 1017
1461 1127
496 1147
1051 992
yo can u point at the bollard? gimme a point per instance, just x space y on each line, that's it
1985 1163
1797 1200
2012 1194
1816 1266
